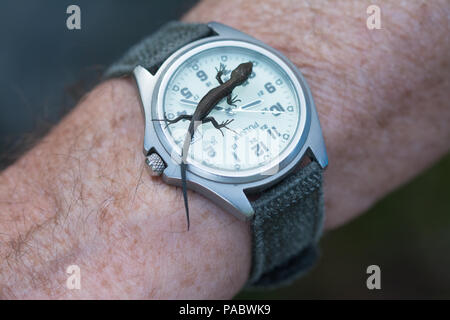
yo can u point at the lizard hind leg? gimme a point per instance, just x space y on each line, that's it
219 126
221 71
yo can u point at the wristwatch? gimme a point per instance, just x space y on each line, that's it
267 168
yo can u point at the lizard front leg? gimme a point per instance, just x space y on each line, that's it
221 71
219 126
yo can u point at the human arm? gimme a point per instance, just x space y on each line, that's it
80 196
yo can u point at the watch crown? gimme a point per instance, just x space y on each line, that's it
155 164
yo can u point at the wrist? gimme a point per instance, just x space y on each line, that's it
123 229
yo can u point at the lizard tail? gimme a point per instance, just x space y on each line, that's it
184 188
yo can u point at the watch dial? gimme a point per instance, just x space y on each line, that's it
265 121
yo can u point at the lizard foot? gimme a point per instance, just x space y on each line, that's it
221 71
232 100
219 126
180 117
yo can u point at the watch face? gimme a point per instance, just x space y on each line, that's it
267 118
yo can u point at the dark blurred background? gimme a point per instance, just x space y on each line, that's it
46 68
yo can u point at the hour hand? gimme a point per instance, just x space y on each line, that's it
251 104
232 100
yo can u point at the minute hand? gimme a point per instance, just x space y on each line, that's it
258 111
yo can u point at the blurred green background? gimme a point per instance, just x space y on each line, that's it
407 234
47 68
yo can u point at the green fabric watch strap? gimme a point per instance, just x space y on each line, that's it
152 51
288 217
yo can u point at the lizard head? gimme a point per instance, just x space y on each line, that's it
242 72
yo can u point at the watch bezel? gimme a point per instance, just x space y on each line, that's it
290 156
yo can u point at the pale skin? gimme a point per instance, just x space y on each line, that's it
80 196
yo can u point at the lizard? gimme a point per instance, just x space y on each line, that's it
201 114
